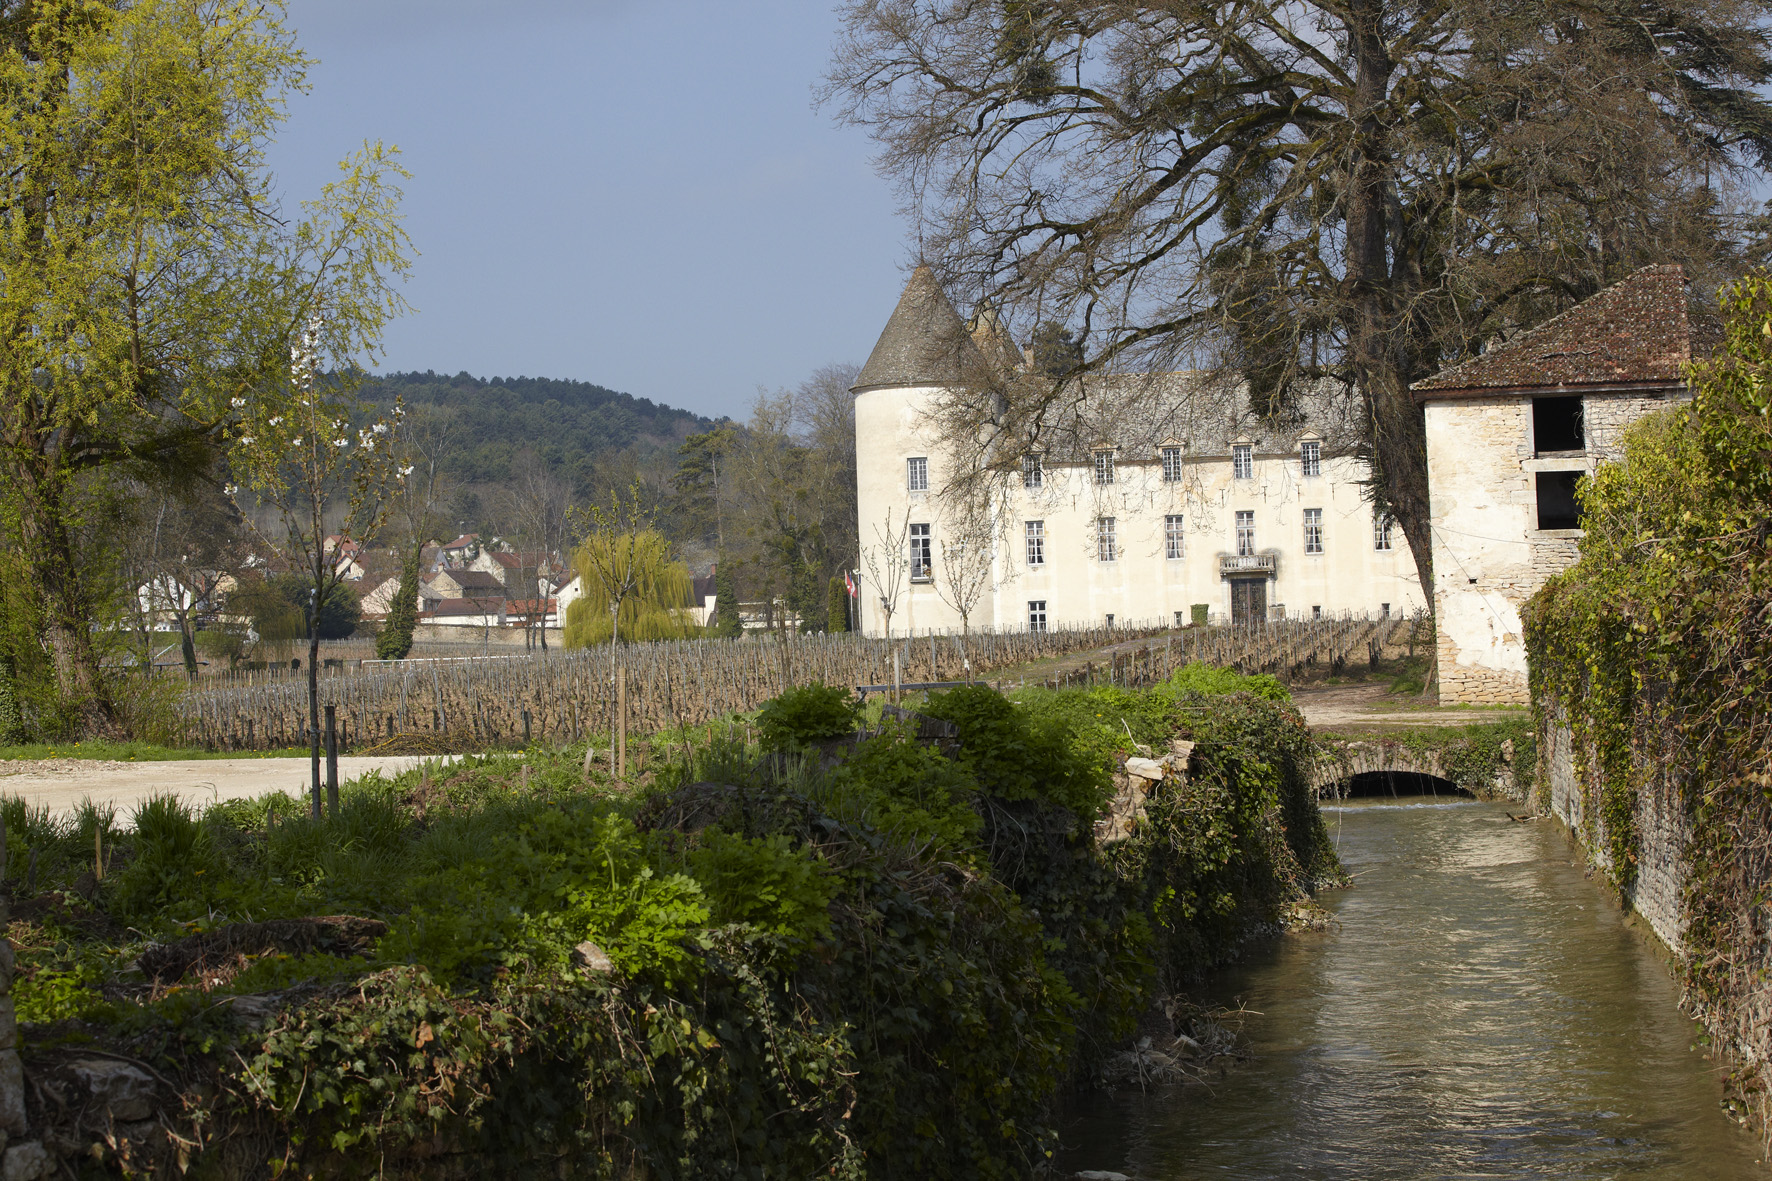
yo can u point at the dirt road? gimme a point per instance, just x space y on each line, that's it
1369 706
63 783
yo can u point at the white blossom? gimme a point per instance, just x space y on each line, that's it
341 442
277 421
295 442
405 470
237 403
230 489
245 440
381 428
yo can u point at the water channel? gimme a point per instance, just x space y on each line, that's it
1479 1010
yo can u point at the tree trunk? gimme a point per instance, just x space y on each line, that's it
314 703
187 644
1399 444
67 616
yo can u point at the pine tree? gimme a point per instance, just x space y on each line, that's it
837 607
394 640
726 620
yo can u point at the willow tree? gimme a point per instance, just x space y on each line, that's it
1307 191
634 589
150 285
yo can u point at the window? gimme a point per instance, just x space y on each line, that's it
1104 467
1172 465
1316 612
1036 543
1310 458
1036 615
917 474
1243 461
1245 532
1557 506
1557 425
1384 610
1381 532
1110 621
1033 471
1104 539
922 564
1172 535
1313 530
1181 619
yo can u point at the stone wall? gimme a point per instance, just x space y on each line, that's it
23 1159
1571 792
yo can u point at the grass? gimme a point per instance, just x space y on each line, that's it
134 752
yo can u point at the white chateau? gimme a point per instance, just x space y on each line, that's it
1171 503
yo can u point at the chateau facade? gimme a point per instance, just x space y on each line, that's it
1169 502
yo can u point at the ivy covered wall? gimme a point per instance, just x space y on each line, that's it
1651 670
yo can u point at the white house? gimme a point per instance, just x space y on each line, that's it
1169 500
1509 433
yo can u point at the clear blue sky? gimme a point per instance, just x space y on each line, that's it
635 194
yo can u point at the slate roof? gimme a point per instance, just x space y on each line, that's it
474 607
475 580
1635 331
925 343
1205 412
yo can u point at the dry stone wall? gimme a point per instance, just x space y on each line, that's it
1571 787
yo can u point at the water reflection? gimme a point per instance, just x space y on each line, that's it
1481 1011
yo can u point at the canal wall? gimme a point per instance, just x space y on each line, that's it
1574 791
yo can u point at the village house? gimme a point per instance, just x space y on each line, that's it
1510 433
1171 502
455 582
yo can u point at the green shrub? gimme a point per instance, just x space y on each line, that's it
909 791
1013 756
764 881
806 715
174 861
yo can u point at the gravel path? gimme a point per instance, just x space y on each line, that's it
63 783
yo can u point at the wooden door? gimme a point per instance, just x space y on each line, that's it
1248 600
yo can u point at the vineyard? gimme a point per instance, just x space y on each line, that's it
569 696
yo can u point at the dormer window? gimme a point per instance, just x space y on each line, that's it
917 473
1104 466
1242 461
1310 459
1171 465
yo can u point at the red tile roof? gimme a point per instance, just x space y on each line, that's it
1634 332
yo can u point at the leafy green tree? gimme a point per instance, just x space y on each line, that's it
1352 194
150 281
394 641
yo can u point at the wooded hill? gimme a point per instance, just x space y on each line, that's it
574 427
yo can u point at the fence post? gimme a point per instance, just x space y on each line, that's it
621 722
332 759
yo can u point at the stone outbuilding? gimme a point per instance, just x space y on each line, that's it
1509 435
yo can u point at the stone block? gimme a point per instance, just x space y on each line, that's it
26 1162
126 1091
13 1117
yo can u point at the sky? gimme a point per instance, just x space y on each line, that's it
635 194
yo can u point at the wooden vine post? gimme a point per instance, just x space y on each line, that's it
621 723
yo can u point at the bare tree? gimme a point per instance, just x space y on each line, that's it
1303 192
540 506
968 567
884 564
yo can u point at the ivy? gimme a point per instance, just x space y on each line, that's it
1656 650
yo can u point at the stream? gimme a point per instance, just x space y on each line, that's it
1479 1009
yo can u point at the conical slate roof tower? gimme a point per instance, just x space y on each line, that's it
925 343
